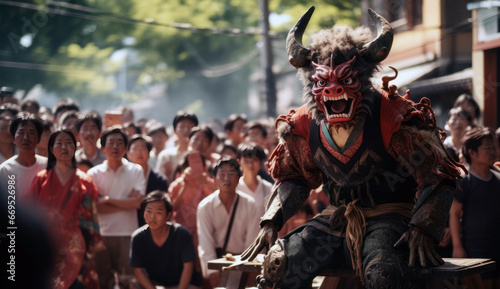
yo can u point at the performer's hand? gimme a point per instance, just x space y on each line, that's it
267 236
422 246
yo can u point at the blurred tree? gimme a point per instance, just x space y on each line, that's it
203 49
216 67
38 40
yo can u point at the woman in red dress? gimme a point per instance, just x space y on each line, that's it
68 197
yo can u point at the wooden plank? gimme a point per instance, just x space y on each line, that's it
223 264
454 263
456 267
452 268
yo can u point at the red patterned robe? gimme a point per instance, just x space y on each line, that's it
70 210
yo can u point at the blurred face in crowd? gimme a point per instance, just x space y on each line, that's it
236 135
469 107
138 152
9 98
5 136
250 165
89 133
486 153
64 147
130 131
31 109
227 152
255 135
183 129
200 142
44 141
159 141
115 147
227 178
26 138
155 215
457 124
70 124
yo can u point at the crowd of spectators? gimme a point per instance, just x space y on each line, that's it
121 196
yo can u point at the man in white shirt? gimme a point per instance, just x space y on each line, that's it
20 169
214 214
251 157
121 187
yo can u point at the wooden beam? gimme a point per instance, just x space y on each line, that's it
490 86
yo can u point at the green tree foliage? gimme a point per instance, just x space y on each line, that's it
38 41
201 50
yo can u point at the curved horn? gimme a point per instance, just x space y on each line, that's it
378 49
298 55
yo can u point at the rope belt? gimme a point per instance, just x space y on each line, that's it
356 225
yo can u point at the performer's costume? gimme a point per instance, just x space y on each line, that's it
378 155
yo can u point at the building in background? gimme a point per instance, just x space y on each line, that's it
432 49
486 59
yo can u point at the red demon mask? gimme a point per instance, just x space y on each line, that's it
337 91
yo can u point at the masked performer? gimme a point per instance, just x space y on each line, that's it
379 157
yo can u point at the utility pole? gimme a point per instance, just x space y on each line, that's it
266 60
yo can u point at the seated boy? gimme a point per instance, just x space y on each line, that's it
162 253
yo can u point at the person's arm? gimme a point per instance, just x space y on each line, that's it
107 205
34 189
446 238
176 191
168 168
295 172
102 202
455 216
163 165
436 175
104 207
142 277
206 239
187 272
132 202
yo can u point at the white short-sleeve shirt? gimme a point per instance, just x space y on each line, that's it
22 176
118 185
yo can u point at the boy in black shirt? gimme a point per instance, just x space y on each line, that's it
477 203
162 253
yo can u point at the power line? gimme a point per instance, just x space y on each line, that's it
449 31
100 15
45 67
220 70
117 18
